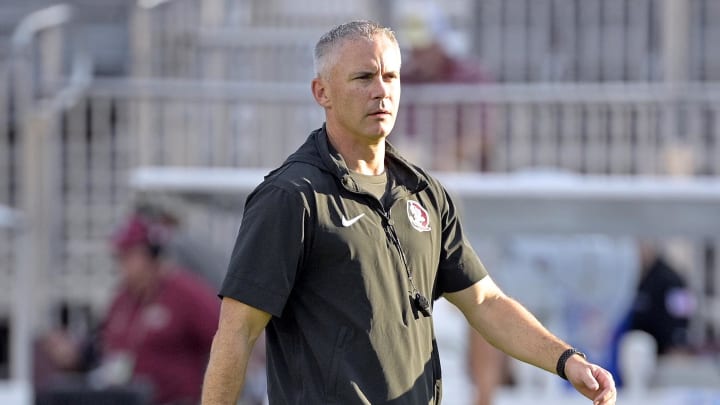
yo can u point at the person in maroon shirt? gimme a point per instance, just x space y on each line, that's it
467 126
154 340
431 62
160 324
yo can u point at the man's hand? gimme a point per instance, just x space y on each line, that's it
591 380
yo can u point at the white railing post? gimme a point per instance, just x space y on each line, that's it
36 71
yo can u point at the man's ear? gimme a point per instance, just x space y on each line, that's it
319 91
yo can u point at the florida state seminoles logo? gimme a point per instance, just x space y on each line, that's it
418 217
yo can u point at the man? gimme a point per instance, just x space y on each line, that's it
160 325
663 305
185 249
342 250
153 341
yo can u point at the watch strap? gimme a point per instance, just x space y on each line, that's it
560 368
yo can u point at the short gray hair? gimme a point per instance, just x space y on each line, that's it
359 29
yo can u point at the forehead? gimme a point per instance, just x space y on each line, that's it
362 51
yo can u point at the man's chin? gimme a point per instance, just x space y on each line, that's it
383 130
380 135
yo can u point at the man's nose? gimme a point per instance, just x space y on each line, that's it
381 88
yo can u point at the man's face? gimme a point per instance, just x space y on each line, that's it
361 88
136 267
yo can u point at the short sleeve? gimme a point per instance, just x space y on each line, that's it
460 267
268 250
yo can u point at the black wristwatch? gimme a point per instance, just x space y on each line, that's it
560 368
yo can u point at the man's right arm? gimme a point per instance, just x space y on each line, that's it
238 329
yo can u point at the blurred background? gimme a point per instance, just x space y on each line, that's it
581 137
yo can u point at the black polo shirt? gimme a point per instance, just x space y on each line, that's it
332 266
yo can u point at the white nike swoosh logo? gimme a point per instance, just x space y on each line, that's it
347 222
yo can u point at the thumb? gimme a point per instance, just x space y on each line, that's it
589 380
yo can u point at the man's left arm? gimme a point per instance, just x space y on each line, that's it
510 327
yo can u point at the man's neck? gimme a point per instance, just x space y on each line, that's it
360 157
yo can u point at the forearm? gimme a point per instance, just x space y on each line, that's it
510 327
225 374
507 325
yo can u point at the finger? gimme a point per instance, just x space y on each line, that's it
604 378
608 399
609 393
589 380
605 397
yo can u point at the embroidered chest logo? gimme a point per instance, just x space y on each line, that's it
418 217
156 317
347 222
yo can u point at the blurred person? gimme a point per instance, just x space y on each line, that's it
183 248
472 369
637 361
488 368
663 303
661 308
592 278
430 62
161 322
343 249
159 326
433 57
64 351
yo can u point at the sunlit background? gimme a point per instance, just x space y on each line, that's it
592 128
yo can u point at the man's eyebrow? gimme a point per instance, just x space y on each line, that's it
365 72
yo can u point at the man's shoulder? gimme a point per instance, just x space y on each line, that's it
293 183
296 176
433 182
305 163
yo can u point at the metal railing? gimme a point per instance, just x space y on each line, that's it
35 93
66 146
220 39
7 175
609 128
125 124
514 40
618 128
117 125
